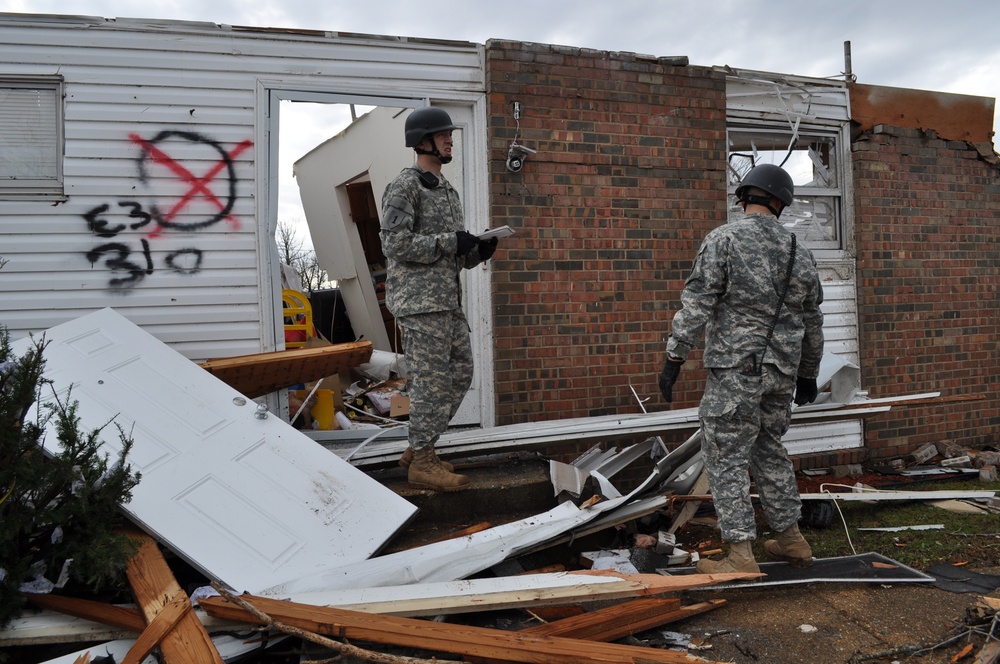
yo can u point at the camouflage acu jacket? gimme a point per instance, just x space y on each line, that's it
732 295
418 240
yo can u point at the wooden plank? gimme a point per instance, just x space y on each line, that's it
101 612
493 594
547 614
990 654
160 626
463 532
443 637
596 625
615 622
689 509
263 373
153 584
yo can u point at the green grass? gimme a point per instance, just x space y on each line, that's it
970 539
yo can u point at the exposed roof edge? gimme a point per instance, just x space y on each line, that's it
178 25
951 116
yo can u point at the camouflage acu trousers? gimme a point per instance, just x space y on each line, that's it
743 418
439 371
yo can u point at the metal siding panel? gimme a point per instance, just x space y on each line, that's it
840 333
134 77
758 93
826 437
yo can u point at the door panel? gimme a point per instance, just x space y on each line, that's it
246 500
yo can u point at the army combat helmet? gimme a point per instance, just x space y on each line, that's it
424 122
769 178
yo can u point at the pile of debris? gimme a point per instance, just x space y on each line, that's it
284 530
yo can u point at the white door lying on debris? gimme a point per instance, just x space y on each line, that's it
238 493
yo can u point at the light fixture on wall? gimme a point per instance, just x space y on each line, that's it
516 156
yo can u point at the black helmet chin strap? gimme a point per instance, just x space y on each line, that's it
756 199
433 153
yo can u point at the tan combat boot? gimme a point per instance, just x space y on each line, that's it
740 559
426 472
407 459
791 547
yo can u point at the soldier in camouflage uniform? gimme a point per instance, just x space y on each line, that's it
760 314
424 239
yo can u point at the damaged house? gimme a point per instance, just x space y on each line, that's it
139 197
142 177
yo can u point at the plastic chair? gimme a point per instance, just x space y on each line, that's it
298 318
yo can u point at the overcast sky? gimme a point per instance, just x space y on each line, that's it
924 44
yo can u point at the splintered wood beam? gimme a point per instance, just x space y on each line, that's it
160 626
100 612
154 587
442 637
263 373
615 622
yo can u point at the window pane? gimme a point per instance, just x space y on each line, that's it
815 216
29 135
810 160
813 219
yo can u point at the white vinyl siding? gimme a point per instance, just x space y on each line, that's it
163 122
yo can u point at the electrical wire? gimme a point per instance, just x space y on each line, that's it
843 520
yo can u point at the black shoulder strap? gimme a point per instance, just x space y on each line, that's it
781 299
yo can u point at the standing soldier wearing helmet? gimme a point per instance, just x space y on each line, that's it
755 294
424 239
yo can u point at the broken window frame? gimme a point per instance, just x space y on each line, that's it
770 142
31 137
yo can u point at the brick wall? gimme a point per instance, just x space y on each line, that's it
927 222
628 179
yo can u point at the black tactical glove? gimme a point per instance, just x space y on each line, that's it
466 242
805 390
487 247
671 369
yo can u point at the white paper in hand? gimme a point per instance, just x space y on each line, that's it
502 231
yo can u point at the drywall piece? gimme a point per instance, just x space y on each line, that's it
238 493
843 377
39 628
35 628
456 559
229 647
452 559
364 151
960 506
